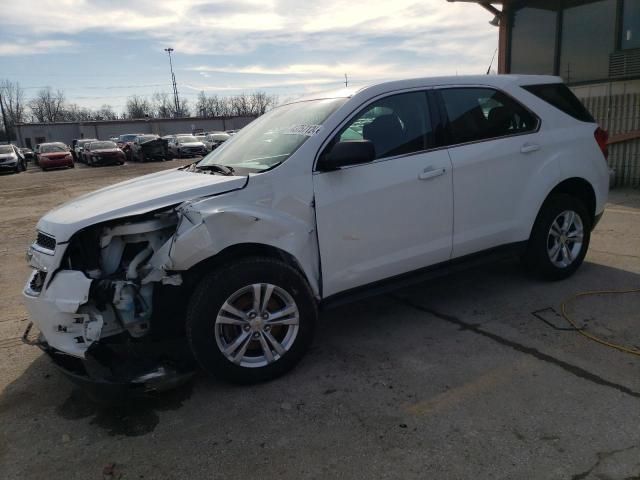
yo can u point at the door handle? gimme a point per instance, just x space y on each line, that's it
430 172
529 147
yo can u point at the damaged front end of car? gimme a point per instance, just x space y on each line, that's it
106 303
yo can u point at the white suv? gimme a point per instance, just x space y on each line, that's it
313 202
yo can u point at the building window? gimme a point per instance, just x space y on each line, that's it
533 41
588 37
630 24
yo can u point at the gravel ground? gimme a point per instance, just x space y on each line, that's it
471 376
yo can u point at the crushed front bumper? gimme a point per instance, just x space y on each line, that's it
91 347
116 370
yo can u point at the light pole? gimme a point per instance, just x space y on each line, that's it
176 100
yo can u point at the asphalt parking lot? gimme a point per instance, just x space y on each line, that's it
470 376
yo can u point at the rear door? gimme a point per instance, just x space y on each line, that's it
390 216
495 147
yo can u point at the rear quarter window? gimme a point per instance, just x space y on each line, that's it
559 95
478 113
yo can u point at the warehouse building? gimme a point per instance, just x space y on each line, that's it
30 134
594 45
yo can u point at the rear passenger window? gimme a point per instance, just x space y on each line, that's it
483 113
559 95
396 125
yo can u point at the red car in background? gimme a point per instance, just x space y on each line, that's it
54 155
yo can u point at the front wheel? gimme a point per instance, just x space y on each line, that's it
559 239
251 321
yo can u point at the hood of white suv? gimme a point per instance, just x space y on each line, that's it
134 197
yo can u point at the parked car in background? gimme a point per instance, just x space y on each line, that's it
103 152
232 132
186 146
27 153
78 148
11 159
150 147
125 141
55 155
36 152
214 139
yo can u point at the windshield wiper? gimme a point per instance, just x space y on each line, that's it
223 169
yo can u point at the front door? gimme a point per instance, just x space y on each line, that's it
390 216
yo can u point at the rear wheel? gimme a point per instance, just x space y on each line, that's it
560 238
251 321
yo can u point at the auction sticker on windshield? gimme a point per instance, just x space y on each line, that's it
306 130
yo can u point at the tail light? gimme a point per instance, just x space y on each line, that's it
602 137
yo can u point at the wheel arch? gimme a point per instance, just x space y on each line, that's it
245 250
579 188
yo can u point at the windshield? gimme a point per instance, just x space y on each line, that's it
274 137
128 138
5 149
51 148
218 136
146 138
82 143
102 145
187 139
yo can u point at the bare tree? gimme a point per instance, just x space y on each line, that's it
47 105
162 105
138 107
12 97
106 112
260 102
241 105
183 108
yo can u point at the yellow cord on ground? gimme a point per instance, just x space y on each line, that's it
590 336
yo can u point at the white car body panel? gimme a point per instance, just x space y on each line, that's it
379 220
133 197
54 311
485 166
344 228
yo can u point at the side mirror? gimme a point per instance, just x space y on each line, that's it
351 152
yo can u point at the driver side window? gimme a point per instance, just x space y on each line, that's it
396 125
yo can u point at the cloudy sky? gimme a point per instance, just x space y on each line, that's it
101 51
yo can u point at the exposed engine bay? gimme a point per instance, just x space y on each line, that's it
107 288
120 262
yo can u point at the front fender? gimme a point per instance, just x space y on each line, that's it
201 234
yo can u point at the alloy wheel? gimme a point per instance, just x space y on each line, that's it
565 238
257 325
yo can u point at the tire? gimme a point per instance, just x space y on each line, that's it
563 243
72 165
208 332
